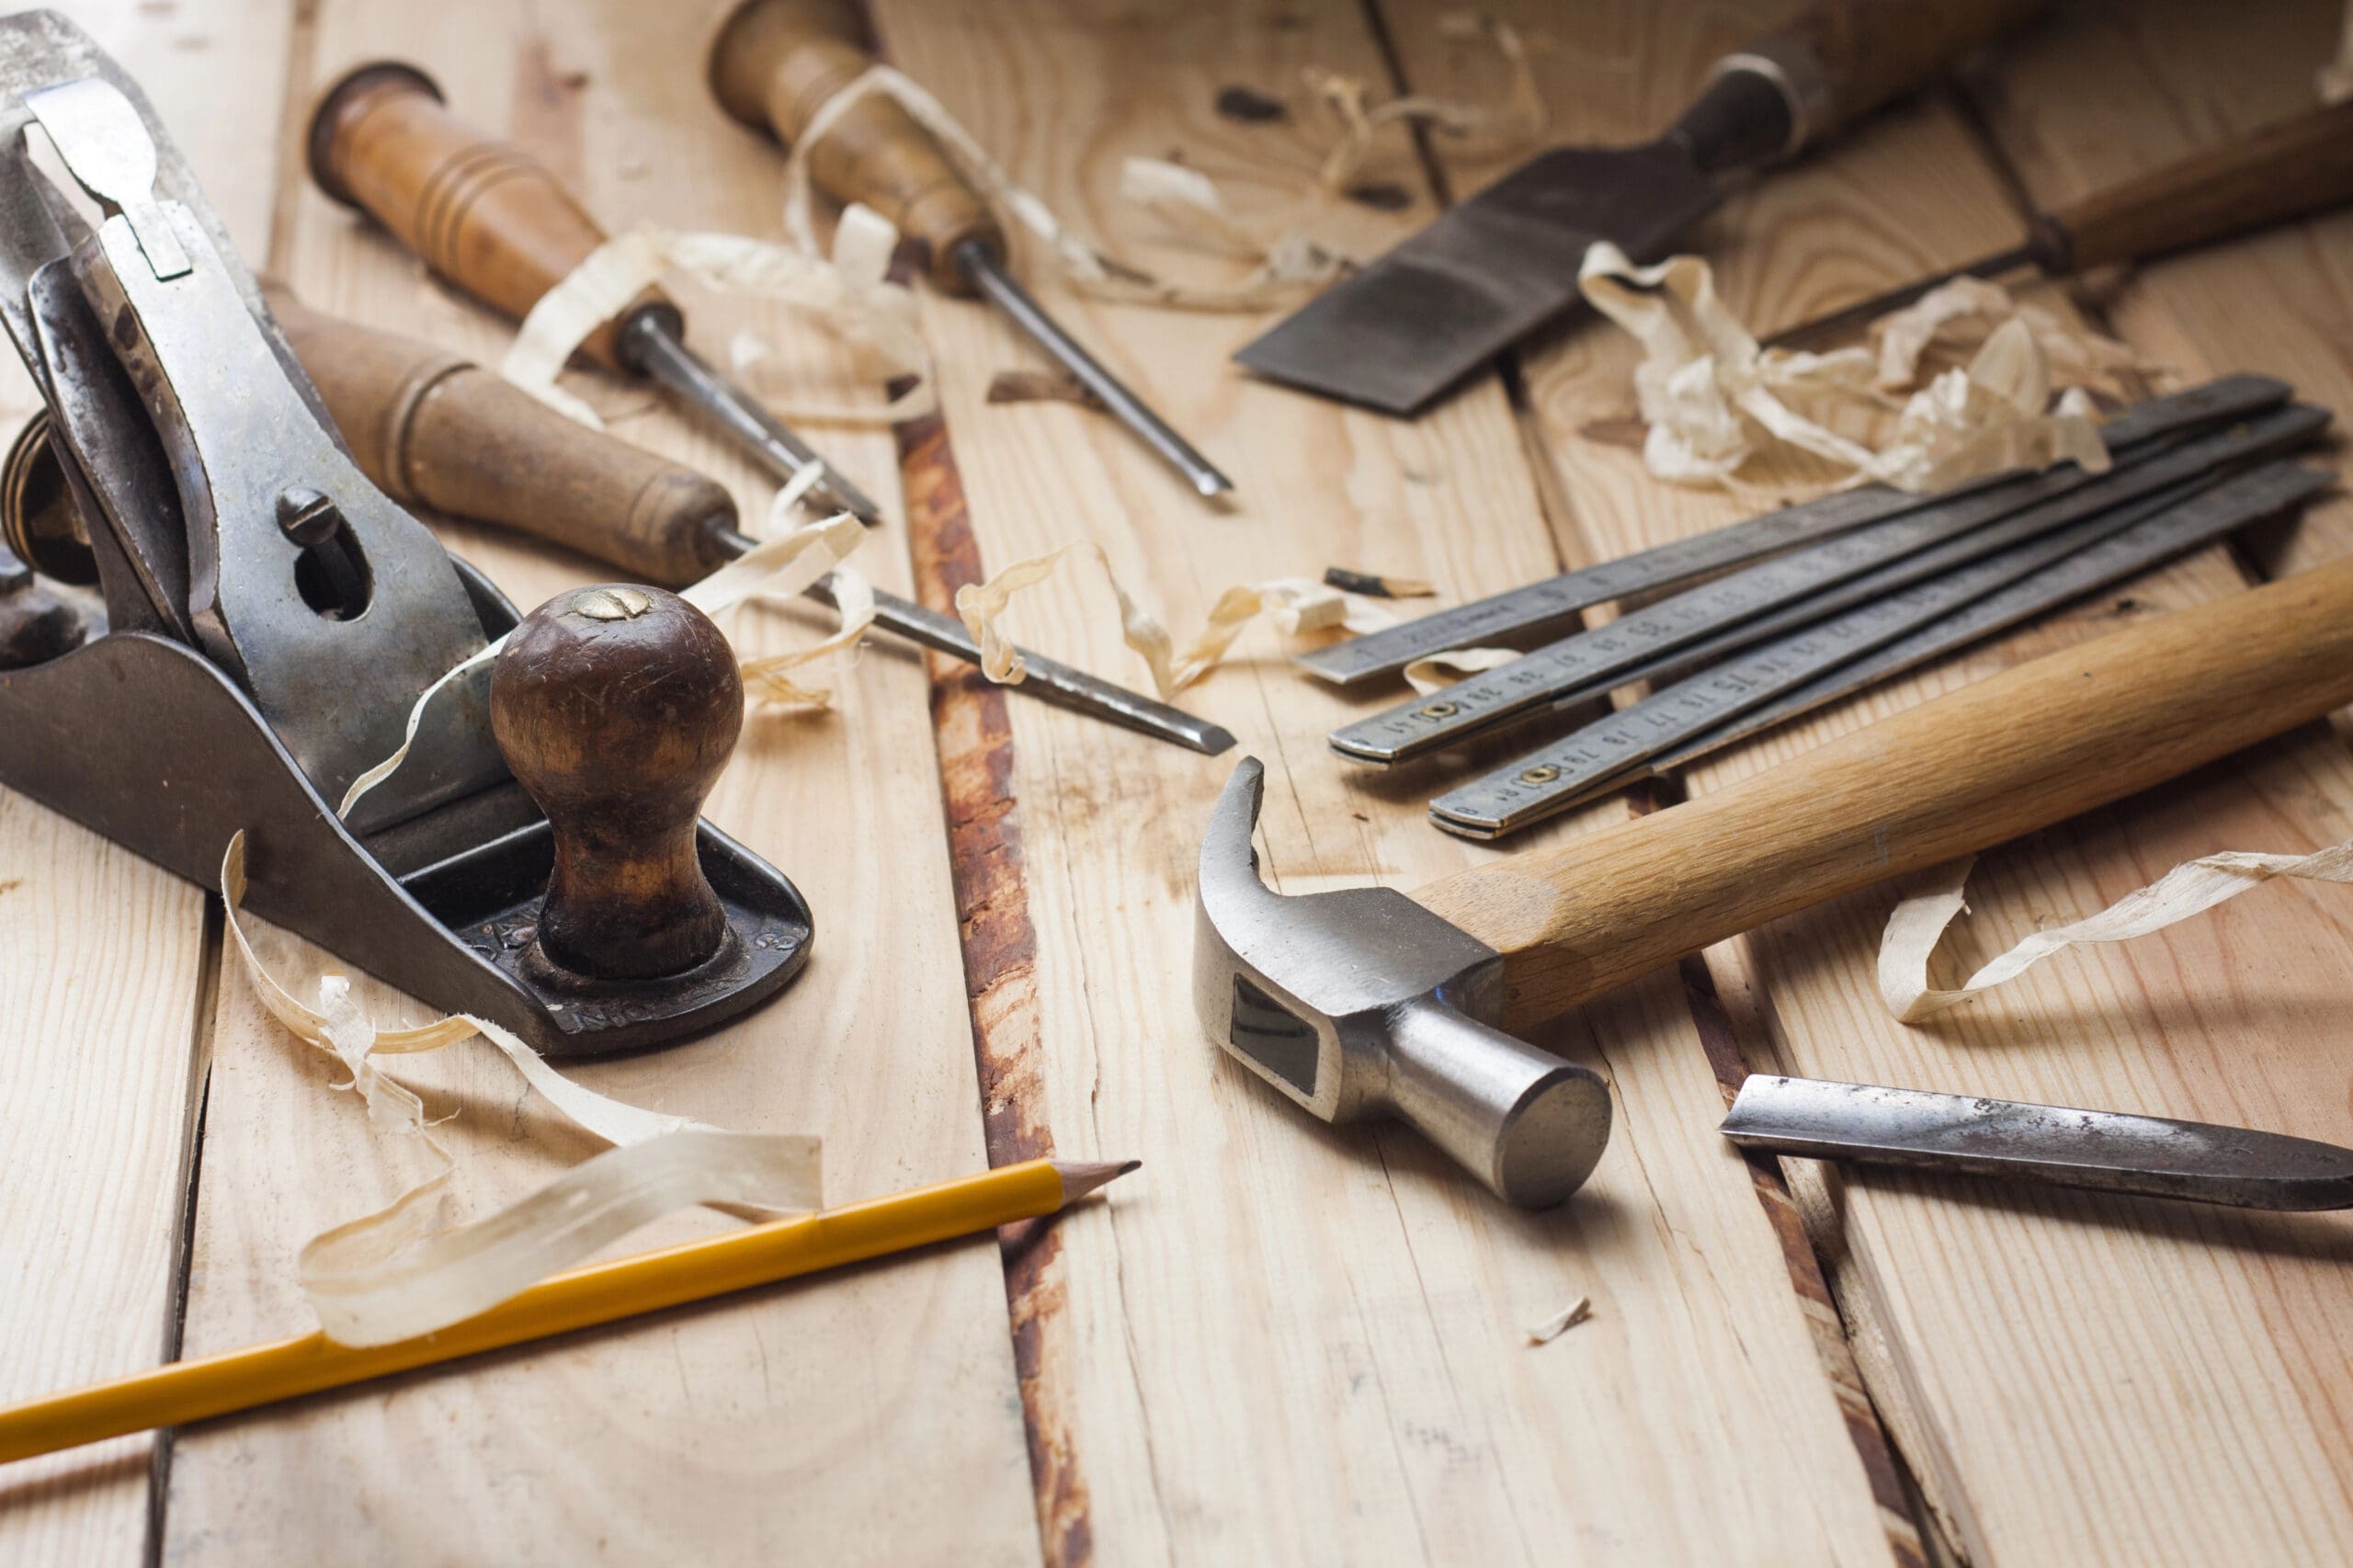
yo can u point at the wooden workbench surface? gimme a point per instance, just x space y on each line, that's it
1278 1342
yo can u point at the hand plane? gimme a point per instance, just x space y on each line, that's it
270 620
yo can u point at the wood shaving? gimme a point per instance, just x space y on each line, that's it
1712 398
1966 312
849 290
1294 604
783 567
2190 887
1440 670
396 1273
2336 82
1560 1323
1283 267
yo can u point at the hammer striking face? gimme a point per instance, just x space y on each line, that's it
1362 1002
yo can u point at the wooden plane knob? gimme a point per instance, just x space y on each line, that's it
773 65
616 707
482 214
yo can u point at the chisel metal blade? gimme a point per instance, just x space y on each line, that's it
2103 1150
1491 269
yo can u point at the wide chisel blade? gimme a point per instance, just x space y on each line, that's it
1459 292
2105 1150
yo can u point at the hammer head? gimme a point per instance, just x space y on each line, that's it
1361 1003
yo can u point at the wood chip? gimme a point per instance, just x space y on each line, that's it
1560 1323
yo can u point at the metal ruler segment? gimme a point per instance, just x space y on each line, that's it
2273 488
1592 663
1539 611
2275 433
1864 645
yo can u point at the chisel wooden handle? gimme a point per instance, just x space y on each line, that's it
773 65
429 428
2281 172
1841 58
2002 756
482 214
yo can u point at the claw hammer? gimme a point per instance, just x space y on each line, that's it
1367 1002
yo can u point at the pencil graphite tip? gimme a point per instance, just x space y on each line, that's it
1083 1177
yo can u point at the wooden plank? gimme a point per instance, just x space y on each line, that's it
865 1418
2072 1378
2184 76
1297 1344
105 953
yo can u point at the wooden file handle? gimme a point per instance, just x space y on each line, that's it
1844 58
2281 172
2000 758
482 214
430 430
775 62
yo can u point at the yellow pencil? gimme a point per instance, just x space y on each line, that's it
578 1298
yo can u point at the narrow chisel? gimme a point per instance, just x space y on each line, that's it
1635 740
1539 612
497 225
2298 167
2106 1151
1593 662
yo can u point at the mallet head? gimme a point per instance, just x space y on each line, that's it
1362 1002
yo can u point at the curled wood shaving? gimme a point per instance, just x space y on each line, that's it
1967 311
1522 119
2190 887
783 567
1560 1323
1437 670
2336 83
1294 604
395 1274
1283 267
849 290
1712 398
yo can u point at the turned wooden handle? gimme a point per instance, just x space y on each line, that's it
2283 171
429 428
482 214
775 62
616 708
2000 758
1844 58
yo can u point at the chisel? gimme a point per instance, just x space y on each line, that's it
2285 170
773 66
430 430
1496 266
1592 663
1540 612
499 226
1836 652
2105 1151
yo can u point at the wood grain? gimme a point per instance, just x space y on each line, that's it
720 1435
1308 1346
2185 77
100 1076
2071 1379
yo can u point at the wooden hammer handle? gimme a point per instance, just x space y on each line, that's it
773 65
1847 57
429 428
2281 172
482 214
2002 756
